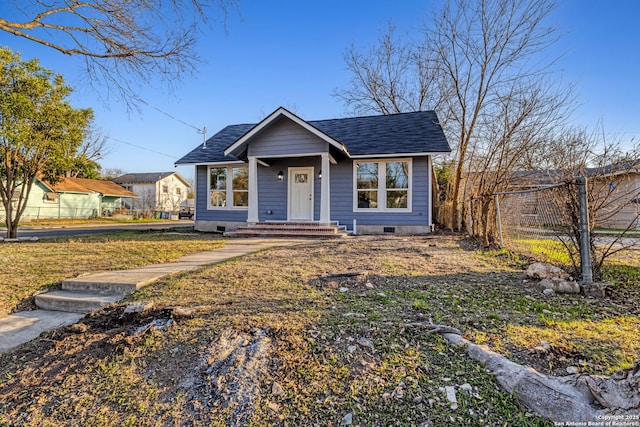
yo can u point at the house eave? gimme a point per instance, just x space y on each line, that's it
211 163
384 155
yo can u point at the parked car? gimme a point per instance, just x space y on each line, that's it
186 213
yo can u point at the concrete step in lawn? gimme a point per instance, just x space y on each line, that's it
75 301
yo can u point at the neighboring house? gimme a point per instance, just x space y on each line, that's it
616 192
157 191
618 189
74 198
371 174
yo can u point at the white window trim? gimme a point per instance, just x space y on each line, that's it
229 190
382 186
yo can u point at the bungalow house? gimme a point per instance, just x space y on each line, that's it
73 198
157 191
366 174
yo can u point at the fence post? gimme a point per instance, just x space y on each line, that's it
470 224
585 239
498 220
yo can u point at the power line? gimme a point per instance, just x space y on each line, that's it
141 147
203 130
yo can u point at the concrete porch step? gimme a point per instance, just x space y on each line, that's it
284 234
290 229
119 281
74 301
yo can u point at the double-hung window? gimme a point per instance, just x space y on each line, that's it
382 185
228 187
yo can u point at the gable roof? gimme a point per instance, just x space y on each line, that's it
147 178
83 185
383 135
280 112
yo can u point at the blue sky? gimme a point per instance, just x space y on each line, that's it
290 53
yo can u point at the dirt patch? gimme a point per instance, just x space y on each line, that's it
230 376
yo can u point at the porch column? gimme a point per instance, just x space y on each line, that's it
252 216
325 182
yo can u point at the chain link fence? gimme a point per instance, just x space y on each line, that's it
55 212
549 224
536 223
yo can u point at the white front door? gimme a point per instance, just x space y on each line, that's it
300 194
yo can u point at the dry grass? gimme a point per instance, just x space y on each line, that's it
342 324
29 267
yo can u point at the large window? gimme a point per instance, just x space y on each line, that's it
227 193
383 185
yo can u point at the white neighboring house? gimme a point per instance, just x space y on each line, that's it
157 191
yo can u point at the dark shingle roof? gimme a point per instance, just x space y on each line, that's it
406 133
141 178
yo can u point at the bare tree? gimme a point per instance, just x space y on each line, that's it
111 173
481 65
121 41
393 77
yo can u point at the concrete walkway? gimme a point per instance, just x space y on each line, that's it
22 327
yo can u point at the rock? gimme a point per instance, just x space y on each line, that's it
572 370
351 349
347 420
179 312
343 289
138 307
156 324
467 387
548 292
369 285
451 396
596 289
538 270
277 390
560 285
365 342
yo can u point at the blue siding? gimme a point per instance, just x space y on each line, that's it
342 198
272 195
286 138
202 200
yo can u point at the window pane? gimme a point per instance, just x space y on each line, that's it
367 199
240 178
219 198
218 179
397 199
397 175
367 175
240 198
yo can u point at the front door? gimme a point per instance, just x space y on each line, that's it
300 194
